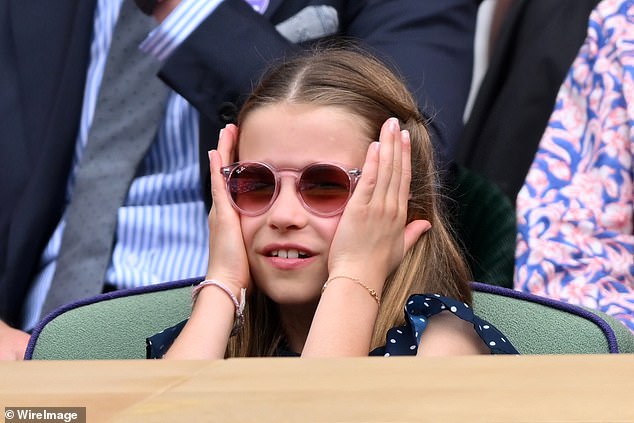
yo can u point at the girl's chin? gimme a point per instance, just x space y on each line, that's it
290 293
292 273
301 285
293 296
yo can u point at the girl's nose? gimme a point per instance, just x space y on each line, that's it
287 211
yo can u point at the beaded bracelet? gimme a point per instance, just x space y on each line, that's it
239 320
372 292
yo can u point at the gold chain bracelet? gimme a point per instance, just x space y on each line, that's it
372 292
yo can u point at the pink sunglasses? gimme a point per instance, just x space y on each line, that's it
323 188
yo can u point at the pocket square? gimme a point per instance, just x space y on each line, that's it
310 23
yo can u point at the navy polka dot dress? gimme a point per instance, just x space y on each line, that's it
400 340
404 340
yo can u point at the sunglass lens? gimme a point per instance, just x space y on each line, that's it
252 186
325 188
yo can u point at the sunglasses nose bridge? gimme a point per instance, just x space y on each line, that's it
291 176
294 174
286 206
287 184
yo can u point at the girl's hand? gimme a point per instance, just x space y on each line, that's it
372 236
206 333
370 241
228 261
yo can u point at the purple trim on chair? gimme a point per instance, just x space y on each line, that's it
102 297
613 344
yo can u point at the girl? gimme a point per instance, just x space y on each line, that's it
320 235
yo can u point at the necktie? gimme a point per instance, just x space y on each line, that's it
129 107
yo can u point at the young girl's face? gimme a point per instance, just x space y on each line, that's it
288 245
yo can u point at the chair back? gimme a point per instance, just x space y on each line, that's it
537 325
111 326
115 325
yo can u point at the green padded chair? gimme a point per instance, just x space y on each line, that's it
115 325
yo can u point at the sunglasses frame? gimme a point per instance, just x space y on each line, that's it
352 174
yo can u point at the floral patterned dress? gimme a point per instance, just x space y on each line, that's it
575 210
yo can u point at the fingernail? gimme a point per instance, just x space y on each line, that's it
221 131
393 124
405 135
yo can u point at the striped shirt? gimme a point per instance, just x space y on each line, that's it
161 232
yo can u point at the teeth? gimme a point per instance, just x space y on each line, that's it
292 254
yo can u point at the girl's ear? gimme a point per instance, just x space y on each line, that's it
413 231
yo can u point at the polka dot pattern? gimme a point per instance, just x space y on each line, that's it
419 309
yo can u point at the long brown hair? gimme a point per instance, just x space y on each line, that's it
356 81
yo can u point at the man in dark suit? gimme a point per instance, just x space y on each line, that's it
44 54
531 53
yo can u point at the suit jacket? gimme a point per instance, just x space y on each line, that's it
538 42
43 60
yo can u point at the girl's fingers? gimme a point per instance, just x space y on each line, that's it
387 169
219 158
217 180
389 132
227 142
406 169
392 194
365 189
